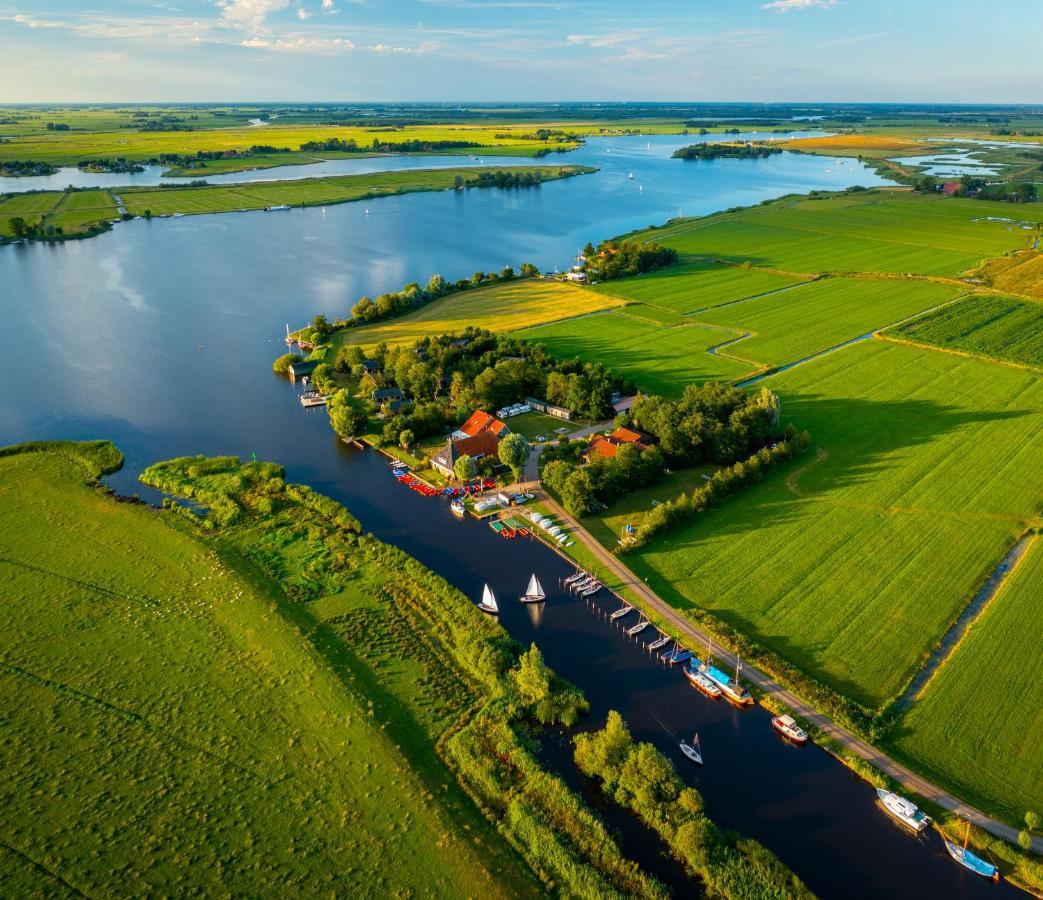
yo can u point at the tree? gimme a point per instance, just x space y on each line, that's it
514 451
1032 820
18 227
436 285
577 494
282 365
532 677
1024 840
405 438
464 468
348 420
601 754
528 270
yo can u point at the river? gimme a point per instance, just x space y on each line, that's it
159 336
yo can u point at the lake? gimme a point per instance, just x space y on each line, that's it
159 336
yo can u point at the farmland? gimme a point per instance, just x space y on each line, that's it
1006 328
660 358
304 191
975 729
503 307
802 321
212 727
854 563
1019 273
872 231
74 212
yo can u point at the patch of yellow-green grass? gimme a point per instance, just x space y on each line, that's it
532 424
510 306
81 211
171 726
976 728
1018 273
30 207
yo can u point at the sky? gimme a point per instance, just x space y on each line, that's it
488 50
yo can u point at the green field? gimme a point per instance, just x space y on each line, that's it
301 192
1005 328
659 358
502 307
852 563
532 424
696 284
73 211
873 231
171 727
791 325
976 728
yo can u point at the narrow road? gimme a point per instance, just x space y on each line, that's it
901 775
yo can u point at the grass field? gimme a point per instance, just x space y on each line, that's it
169 726
797 323
866 145
976 729
532 424
501 307
1019 273
73 211
660 358
854 562
696 284
301 192
873 231
1006 328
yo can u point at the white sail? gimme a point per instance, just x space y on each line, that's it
489 599
535 589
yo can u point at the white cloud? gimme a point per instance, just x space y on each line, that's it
302 13
788 5
327 5
250 14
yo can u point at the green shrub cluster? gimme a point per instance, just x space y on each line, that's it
640 778
96 458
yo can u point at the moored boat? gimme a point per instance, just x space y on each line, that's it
593 589
572 579
638 628
659 642
681 656
970 860
458 508
624 610
312 398
699 681
731 687
790 730
693 751
904 811
488 603
534 592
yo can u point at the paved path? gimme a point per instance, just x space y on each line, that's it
901 775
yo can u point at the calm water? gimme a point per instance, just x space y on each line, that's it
159 336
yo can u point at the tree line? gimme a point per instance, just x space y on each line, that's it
725 150
620 259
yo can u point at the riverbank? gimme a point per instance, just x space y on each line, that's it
56 216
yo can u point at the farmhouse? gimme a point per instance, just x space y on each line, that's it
302 368
952 189
608 445
478 437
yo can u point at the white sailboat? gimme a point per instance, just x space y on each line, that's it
534 592
693 751
488 603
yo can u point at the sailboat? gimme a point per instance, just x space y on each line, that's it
488 603
630 176
970 860
534 592
693 751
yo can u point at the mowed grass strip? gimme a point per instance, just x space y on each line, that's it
977 729
1007 328
854 561
510 306
661 359
301 192
168 728
31 207
797 323
695 284
870 231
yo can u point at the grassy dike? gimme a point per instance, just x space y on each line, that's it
86 213
266 696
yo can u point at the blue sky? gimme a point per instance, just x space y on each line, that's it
771 50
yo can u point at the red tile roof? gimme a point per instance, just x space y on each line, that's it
484 444
481 421
952 188
626 436
603 447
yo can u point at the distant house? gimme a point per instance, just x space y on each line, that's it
622 404
608 446
952 189
371 367
386 395
578 277
481 422
485 443
459 344
559 412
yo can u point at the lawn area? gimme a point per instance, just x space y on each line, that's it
1006 328
304 191
534 423
500 307
171 727
73 211
853 562
870 231
695 284
977 729
31 207
796 323
661 359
